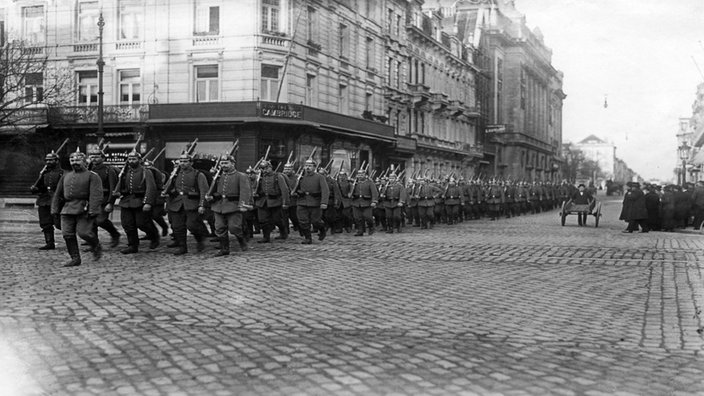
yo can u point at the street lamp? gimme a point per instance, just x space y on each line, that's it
683 152
101 65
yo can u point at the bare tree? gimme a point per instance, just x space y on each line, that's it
29 84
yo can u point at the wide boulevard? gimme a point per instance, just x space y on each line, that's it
520 306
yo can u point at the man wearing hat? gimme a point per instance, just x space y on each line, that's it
272 195
582 197
426 194
79 195
290 213
634 210
330 213
364 199
395 197
345 206
230 199
137 193
186 204
453 199
313 195
45 188
108 176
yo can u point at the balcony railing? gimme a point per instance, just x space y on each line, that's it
273 41
128 45
85 47
206 41
89 114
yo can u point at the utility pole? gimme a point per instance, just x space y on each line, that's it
101 64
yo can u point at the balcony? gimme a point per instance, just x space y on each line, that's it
131 45
273 40
85 47
206 41
89 114
420 93
438 101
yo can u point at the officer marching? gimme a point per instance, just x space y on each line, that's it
45 187
78 197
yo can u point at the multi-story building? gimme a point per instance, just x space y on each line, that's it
603 154
525 110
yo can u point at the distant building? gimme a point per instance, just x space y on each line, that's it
601 152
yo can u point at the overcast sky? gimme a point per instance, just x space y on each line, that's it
636 53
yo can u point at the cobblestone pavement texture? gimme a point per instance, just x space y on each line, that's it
521 306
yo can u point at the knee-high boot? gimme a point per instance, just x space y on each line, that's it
224 246
49 240
72 247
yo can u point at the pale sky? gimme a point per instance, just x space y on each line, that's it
637 53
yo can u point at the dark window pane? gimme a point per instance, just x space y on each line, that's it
214 20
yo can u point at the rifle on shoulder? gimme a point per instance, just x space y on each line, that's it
214 183
116 191
43 171
190 148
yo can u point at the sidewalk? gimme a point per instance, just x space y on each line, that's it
25 219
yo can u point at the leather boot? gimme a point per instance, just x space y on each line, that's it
155 241
398 226
182 248
267 235
321 232
371 228
360 228
224 246
308 238
200 244
49 240
243 244
72 247
129 250
97 250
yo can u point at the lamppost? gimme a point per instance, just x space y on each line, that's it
683 152
101 64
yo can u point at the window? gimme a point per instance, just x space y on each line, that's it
87 21
207 83
33 24
389 20
130 87
270 15
389 71
370 54
270 83
369 102
399 68
311 90
312 25
87 87
131 19
33 87
342 101
398 25
344 40
207 18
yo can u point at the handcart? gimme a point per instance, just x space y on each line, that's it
593 208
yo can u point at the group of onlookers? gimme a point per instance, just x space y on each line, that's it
663 208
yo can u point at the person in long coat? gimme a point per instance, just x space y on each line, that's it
652 204
634 210
667 208
683 204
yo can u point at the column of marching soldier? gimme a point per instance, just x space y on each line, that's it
260 200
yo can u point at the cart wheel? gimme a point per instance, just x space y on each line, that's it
563 214
597 215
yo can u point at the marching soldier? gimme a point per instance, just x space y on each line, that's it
394 198
426 194
313 194
330 213
454 200
186 204
413 217
108 176
364 199
290 212
137 192
79 195
494 199
230 200
45 188
158 210
345 205
271 196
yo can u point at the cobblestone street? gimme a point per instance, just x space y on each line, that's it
520 306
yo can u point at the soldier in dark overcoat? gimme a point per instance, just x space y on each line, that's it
345 205
230 200
272 195
652 204
137 192
185 204
45 189
313 196
78 198
365 197
394 198
108 176
454 201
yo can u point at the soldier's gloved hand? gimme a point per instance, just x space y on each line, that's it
146 208
201 210
34 189
323 206
108 208
208 198
373 204
400 204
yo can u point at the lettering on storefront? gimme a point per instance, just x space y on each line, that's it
281 111
495 128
